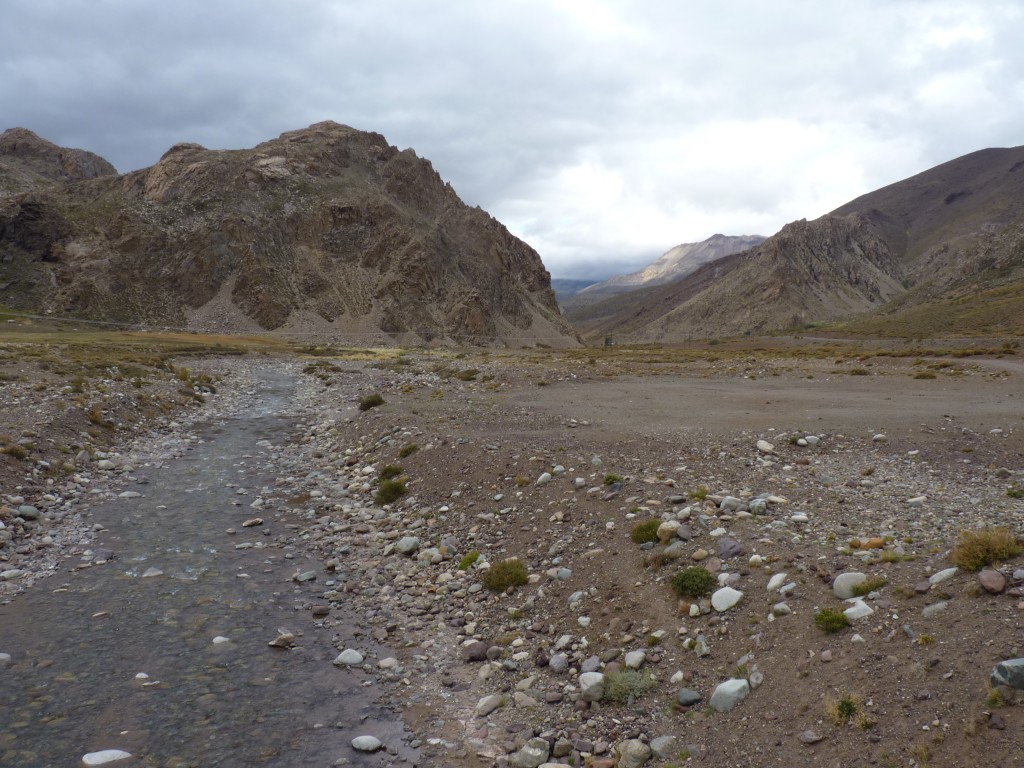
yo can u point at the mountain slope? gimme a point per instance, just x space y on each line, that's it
674 264
326 231
914 246
28 162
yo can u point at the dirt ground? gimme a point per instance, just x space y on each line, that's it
908 451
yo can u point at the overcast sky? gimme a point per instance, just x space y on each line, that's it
602 133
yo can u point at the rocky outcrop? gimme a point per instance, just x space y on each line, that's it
327 231
28 162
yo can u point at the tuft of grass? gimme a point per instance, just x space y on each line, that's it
15 451
408 450
699 493
869 585
1015 491
469 374
976 549
370 401
390 491
924 375
843 710
829 620
390 471
994 697
611 479
693 582
468 559
507 573
859 372
627 685
646 531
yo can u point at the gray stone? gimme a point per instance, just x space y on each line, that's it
532 755
366 744
105 756
590 664
731 504
858 610
27 512
729 548
934 609
781 609
592 686
943 575
633 753
475 651
5 659
635 659
407 545
488 704
688 697
1009 673
844 584
810 737
559 663
729 694
348 658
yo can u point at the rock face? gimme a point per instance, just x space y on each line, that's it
326 231
28 162
922 251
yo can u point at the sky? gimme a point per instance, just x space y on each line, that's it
601 132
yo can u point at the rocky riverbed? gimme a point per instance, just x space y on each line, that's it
788 491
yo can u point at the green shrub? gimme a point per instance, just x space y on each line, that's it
408 450
1015 491
645 531
830 620
15 451
627 685
370 401
694 582
470 557
507 573
699 493
390 471
611 479
389 491
869 585
976 549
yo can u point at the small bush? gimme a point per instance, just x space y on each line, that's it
976 549
390 471
611 479
470 557
627 685
469 374
15 452
507 573
1015 491
693 582
699 493
830 620
645 531
869 585
408 450
842 711
924 375
860 372
370 401
389 491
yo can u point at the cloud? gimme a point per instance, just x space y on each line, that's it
601 131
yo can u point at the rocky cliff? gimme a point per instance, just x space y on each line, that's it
29 162
328 232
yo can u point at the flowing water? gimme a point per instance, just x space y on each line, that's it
79 640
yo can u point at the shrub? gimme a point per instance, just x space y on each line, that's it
693 582
390 471
408 450
699 493
976 549
860 372
507 573
1015 491
611 479
924 375
469 374
389 491
627 685
15 452
842 711
370 401
645 531
470 557
869 585
830 620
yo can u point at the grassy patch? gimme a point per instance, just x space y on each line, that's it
645 532
390 471
830 621
468 559
390 491
693 582
976 549
370 401
408 450
627 685
507 573
869 585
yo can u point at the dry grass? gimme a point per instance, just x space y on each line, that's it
976 549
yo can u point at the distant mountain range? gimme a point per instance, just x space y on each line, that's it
941 252
326 232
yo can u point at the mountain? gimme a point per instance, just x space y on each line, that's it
566 287
327 232
940 252
676 263
28 162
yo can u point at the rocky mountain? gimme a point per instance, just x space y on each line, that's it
674 264
327 232
28 162
942 251
567 287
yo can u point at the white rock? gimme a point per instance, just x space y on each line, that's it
151 572
917 501
858 610
105 756
220 640
728 694
941 576
844 584
725 598
765 447
635 659
591 686
366 743
348 658
776 581
544 479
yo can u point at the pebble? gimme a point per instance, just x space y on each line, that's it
765 447
725 598
348 658
407 545
366 744
776 581
488 704
941 576
531 755
151 572
688 697
635 659
729 694
934 608
810 737
105 756
591 686
858 610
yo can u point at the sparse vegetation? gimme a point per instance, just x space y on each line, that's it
507 573
611 479
699 493
843 710
370 401
830 621
645 532
469 374
408 450
627 685
1015 491
390 491
390 471
976 549
869 585
693 582
15 451
469 559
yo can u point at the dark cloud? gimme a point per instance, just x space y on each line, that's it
601 132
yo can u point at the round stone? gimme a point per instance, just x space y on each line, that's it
366 743
725 598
